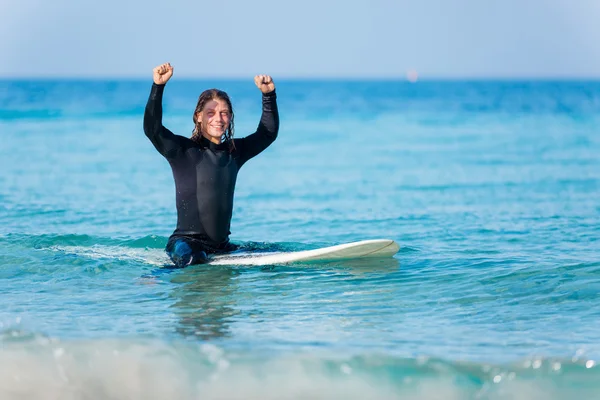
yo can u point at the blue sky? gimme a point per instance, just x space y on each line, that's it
309 38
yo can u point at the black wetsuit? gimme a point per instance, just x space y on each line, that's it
205 174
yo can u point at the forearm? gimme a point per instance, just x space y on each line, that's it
266 133
269 120
153 112
163 139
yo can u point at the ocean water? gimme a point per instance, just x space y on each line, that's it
492 189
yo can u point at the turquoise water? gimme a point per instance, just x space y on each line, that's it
492 189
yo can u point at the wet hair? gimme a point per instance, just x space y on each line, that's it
205 97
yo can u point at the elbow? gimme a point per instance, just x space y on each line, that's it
150 126
148 131
272 134
147 124
269 129
274 129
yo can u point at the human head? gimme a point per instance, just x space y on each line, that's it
213 116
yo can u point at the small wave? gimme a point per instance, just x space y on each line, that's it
35 366
149 256
147 249
49 240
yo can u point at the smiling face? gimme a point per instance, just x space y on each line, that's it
214 119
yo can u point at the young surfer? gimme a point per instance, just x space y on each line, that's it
205 166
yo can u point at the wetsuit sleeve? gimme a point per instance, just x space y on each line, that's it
167 144
265 134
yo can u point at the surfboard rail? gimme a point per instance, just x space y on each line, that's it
373 248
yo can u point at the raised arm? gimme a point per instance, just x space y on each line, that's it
163 139
268 127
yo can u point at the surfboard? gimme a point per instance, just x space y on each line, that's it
376 248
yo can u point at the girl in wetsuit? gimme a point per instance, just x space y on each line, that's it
205 166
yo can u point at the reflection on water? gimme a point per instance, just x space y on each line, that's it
364 266
204 301
209 299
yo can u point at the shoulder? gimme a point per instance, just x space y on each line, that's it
185 142
182 145
237 146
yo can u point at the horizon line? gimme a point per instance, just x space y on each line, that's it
316 77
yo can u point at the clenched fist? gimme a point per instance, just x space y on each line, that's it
264 83
162 73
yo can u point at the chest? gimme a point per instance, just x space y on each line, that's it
212 167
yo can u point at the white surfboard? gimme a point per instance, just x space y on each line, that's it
377 248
